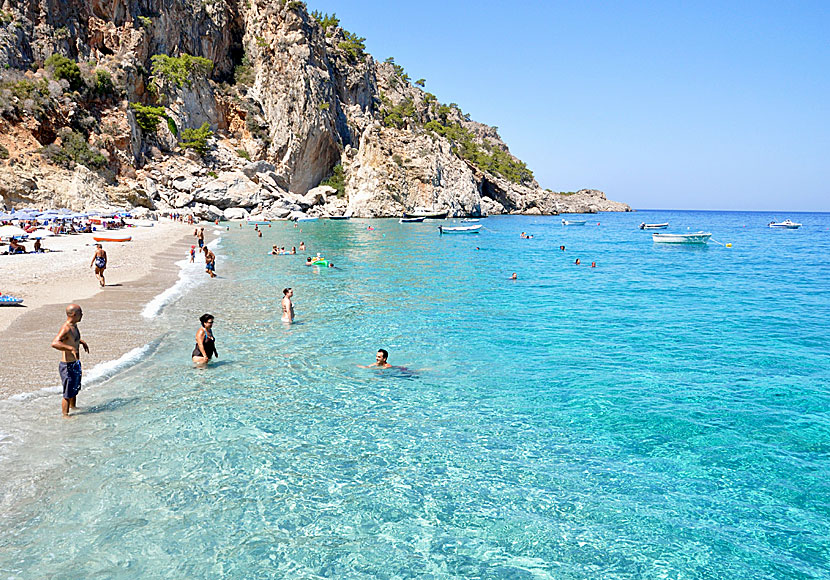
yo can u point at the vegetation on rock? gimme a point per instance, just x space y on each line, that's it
353 46
243 154
179 71
337 180
65 68
4 153
74 149
196 139
148 117
325 20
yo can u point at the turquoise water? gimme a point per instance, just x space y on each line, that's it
663 415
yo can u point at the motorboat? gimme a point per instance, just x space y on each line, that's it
426 214
469 220
339 217
112 238
459 229
786 224
306 219
645 226
411 220
258 222
574 222
694 238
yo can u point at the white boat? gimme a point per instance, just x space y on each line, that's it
411 220
645 226
469 220
574 222
306 219
695 238
786 224
425 213
459 229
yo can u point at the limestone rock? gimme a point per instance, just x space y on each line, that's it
232 189
236 213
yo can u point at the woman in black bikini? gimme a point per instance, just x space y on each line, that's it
205 342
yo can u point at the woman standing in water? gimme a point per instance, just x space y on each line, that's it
205 342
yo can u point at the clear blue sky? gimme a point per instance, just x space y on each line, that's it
677 105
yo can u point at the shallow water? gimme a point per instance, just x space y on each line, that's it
663 415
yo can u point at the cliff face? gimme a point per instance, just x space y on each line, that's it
285 87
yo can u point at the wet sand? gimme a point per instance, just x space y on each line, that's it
112 324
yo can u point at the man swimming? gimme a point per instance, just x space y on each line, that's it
287 306
380 361
67 341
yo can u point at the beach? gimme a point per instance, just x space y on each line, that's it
136 272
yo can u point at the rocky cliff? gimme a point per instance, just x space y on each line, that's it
235 108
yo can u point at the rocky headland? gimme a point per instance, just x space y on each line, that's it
231 109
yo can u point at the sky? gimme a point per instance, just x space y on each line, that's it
664 105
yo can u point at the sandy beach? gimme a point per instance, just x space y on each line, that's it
137 271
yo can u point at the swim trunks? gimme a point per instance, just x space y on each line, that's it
71 378
210 267
201 243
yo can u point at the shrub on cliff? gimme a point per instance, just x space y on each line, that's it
337 180
148 117
179 71
65 68
353 46
196 139
396 116
73 150
4 153
102 83
324 20
24 96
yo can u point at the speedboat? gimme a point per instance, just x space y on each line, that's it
459 229
339 217
695 238
426 214
574 222
306 219
410 220
645 226
469 220
786 224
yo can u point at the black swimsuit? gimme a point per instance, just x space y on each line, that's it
210 346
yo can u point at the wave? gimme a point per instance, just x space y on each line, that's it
191 274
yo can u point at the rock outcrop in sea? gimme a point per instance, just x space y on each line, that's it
234 108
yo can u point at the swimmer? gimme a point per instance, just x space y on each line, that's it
259 234
302 246
69 342
293 250
274 250
577 262
308 262
514 276
562 248
380 361
205 342
287 306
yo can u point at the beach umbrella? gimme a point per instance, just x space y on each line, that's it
11 232
41 233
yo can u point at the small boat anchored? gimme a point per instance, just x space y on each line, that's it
645 226
425 213
6 300
695 238
786 224
459 229
411 220
574 222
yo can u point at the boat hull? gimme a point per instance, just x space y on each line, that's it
112 238
415 220
574 222
654 226
340 217
696 238
432 215
459 230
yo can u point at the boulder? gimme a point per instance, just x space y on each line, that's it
231 189
236 213
251 169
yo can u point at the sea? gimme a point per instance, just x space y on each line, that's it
657 411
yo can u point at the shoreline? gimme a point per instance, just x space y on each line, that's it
112 324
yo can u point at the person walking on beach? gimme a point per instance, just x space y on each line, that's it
200 236
210 263
205 342
287 306
68 342
380 361
192 253
99 261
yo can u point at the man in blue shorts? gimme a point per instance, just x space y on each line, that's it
68 341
